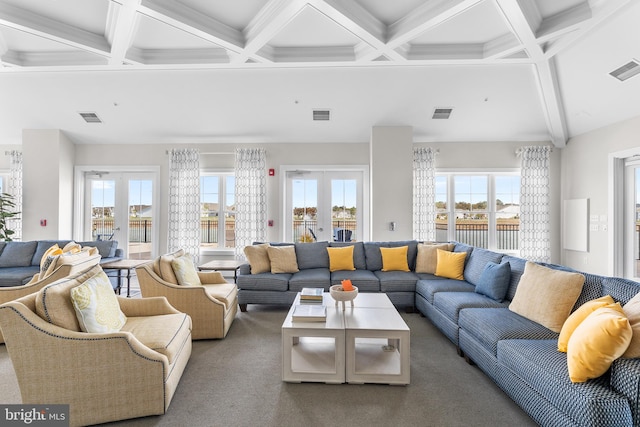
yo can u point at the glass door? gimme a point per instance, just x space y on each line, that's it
120 207
632 219
324 206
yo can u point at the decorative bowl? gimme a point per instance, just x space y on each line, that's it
339 295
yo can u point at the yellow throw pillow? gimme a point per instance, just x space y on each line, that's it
341 258
97 306
395 259
258 258
283 259
632 311
185 271
600 339
546 295
72 247
450 264
427 258
574 320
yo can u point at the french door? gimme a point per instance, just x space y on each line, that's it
120 206
324 205
632 219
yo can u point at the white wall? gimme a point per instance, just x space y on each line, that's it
585 174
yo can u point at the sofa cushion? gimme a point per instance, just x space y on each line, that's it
600 339
450 264
165 333
374 256
341 258
478 259
258 258
427 257
53 302
17 254
359 258
43 245
16 276
547 296
395 259
223 292
428 288
312 255
106 248
494 280
283 259
96 305
574 320
622 290
517 270
538 364
310 278
450 303
364 280
264 281
490 325
185 271
48 257
397 281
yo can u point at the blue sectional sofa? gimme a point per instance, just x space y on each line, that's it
19 261
520 355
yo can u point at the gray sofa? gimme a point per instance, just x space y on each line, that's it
518 354
19 261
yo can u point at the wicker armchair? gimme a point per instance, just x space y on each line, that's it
11 293
212 306
103 377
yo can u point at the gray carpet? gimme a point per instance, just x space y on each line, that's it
237 382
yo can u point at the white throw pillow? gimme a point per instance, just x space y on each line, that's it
97 306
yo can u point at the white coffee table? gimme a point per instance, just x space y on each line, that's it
367 343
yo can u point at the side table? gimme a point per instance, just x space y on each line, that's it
124 264
222 265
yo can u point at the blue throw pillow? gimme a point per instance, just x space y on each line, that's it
494 280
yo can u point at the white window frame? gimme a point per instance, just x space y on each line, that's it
222 203
491 174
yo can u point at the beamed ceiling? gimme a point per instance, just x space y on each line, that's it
169 71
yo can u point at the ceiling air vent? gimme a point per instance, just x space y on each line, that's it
321 115
442 113
628 70
90 117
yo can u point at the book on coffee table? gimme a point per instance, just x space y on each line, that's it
309 313
311 294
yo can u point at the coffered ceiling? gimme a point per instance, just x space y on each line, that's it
255 70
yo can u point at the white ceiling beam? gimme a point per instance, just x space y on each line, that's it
360 22
552 102
50 29
178 56
563 22
446 51
600 13
313 54
427 16
193 22
122 24
271 19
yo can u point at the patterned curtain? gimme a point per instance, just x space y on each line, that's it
424 206
15 188
535 234
184 201
251 197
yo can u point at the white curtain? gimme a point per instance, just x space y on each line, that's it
251 197
535 234
424 206
184 201
15 188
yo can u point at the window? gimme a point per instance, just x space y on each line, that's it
480 209
217 207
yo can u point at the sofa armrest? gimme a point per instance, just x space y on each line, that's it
211 277
625 379
152 306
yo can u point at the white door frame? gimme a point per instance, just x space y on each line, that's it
80 199
364 169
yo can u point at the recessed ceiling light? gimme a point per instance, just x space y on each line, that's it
90 117
628 70
441 113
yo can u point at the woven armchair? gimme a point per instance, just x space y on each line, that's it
11 293
103 377
212 306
